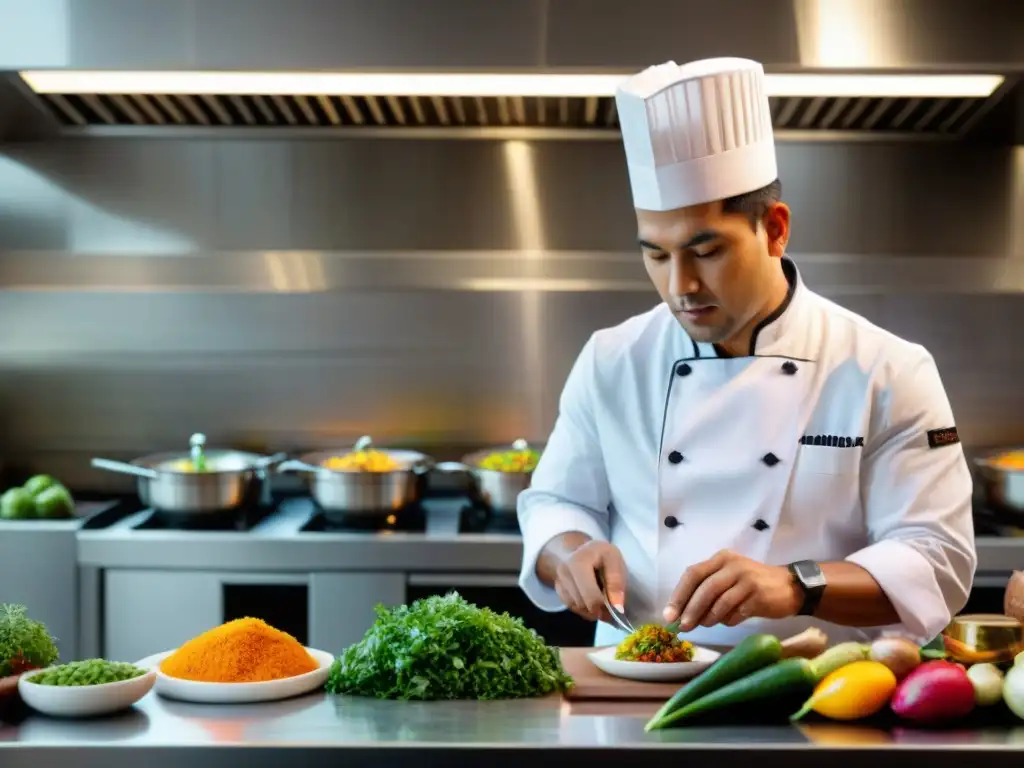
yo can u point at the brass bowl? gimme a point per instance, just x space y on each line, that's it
983 637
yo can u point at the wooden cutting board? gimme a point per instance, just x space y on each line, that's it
593 684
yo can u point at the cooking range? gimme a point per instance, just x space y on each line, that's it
440 513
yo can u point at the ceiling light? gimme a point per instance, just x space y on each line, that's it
455 84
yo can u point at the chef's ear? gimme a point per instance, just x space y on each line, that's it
776 227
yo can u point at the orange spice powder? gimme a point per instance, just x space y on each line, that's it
240 651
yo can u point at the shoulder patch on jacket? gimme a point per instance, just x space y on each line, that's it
937 438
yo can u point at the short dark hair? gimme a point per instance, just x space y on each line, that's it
754 205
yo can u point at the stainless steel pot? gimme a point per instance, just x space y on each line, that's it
232 480
1001 485
498 489
360 491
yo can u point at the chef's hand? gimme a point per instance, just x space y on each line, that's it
576 580
729 588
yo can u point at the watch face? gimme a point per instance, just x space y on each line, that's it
809 573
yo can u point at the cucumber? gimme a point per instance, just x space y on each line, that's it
782 678
751 654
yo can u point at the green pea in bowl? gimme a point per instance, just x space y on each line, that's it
88 688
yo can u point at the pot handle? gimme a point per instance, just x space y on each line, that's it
294 465
125 468
266 462
454 468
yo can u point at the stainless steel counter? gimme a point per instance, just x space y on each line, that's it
323 730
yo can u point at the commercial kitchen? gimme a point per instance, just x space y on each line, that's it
274 273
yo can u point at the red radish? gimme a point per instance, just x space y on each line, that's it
935 691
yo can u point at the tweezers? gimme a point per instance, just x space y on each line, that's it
618 617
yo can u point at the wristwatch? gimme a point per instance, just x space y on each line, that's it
809 576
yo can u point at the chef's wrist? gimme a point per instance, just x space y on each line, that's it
794 594
563 546
557 551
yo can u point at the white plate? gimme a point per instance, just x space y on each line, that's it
650 671
84 700
238 693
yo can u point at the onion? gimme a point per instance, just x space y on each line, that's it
1013 690
897 653
988 683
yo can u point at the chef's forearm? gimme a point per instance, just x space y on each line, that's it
557 551
853 598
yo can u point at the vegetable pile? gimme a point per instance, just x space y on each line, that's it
88 672
442 647
849 681
41 498
24 644
652 643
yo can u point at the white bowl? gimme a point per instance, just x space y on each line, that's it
652 671
84 700
238 693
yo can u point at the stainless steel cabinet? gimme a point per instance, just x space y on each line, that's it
39 569
341 605
147 612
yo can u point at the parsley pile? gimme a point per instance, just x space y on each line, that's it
446 648
24 644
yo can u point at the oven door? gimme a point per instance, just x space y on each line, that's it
502 594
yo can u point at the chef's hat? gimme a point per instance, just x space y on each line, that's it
696 133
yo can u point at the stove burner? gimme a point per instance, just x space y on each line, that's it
475 518
227 521
408 520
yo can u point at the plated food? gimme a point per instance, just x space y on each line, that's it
25 644
443 647
244 660
652 643
87 672
241 651
85 688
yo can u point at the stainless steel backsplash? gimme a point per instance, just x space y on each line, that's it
297 294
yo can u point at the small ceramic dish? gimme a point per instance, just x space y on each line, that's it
651 671
84 700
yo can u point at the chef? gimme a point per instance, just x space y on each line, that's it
747 456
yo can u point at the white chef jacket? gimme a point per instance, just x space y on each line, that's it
832 440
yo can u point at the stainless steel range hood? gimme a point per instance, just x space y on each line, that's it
917 68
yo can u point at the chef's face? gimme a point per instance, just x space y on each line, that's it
716 270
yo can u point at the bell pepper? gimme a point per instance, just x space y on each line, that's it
852 692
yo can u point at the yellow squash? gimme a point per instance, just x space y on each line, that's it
852 692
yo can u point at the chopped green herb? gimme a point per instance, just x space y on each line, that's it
447 648
24 644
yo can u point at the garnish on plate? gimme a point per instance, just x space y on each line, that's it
652 643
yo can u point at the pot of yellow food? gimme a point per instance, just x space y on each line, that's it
1002 478
200 481
363 479
499 474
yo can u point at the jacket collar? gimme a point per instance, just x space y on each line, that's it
774 335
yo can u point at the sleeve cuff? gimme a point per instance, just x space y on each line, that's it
539 527
908 580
